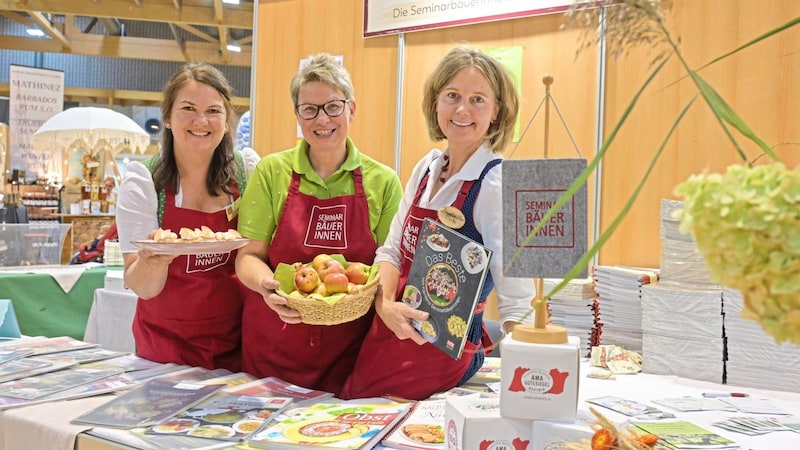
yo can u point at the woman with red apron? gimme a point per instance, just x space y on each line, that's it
382 367
312 356
200 303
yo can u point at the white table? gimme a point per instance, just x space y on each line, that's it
110 320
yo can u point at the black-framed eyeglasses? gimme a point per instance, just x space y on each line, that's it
333 108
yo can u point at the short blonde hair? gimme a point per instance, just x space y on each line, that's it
501 130
324 68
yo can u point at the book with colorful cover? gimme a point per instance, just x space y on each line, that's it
49 383
149 404
92 354
347 425
445 280
421 429
49 345
223 416
13 354
682 435
114 383
31 366
276 387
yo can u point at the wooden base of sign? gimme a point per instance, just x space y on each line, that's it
550 334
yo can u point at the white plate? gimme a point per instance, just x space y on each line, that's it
191 248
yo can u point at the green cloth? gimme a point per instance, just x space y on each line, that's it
263 202
42 307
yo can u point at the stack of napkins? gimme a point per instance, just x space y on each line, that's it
680 261
754 358
682 331
619 291
575 308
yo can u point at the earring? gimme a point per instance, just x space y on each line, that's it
167 126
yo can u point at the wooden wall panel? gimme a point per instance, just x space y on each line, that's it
762 84
758 83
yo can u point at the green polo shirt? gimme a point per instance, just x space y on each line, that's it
262 203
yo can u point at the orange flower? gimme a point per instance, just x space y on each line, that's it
603 440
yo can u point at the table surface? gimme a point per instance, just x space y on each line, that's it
645 388
44 309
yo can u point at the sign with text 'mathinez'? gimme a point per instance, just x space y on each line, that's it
35 95
383 17
531 187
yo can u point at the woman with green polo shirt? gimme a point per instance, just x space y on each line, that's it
324 179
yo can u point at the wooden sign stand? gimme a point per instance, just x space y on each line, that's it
540 332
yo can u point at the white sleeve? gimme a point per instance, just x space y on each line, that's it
251 158
514 295
137 206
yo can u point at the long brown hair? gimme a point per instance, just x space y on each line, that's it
221 172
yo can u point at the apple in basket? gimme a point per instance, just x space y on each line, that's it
328 267
357 272
306 279
316 263
336 283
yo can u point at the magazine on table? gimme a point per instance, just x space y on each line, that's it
114 383
349 425
223 416
14 354
683 435
421 429
149 404
445 280
49 383
276 387
31 366
42 346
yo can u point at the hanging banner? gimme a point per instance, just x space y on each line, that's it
35 96
398 16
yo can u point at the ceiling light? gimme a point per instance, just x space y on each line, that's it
231 2
34 32
234 47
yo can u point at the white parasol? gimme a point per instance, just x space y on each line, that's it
90 127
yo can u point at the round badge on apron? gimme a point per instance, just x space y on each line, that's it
451 217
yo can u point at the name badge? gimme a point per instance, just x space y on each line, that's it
232 210
451 217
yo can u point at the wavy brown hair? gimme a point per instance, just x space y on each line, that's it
222 171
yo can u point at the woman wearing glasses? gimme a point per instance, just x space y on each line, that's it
324 179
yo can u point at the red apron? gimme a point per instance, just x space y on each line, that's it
196 319
402 368
313 356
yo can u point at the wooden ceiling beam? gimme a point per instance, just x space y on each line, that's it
204 36
131 47
46 26
236 16
17 17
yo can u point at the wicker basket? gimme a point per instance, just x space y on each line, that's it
348 308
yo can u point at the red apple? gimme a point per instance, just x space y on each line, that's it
316 263
328 267
306 279
357 272
336 283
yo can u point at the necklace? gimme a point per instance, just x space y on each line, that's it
445 168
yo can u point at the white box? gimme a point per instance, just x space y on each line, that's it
549 435
472 423
540 381
114 281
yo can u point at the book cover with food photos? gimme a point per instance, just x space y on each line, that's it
421 429
332 425
446 278
149 404
223 416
